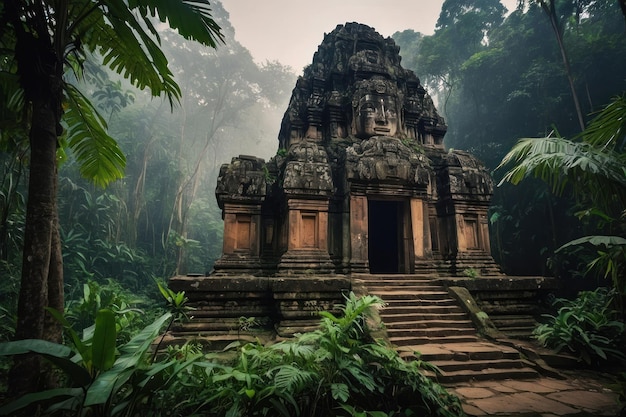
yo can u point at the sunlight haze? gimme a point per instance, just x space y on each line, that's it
289 31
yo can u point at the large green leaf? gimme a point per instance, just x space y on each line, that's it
19 347
78 344
592 164
131 353
607 241
59 355
123 34
53 396
291 378
100 158
104 340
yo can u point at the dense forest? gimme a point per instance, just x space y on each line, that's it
500 77
161 218
496 77
544 70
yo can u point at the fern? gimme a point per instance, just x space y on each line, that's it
291 378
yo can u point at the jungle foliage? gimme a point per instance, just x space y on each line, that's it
74 75
161 218
588 327
593 168
338 370
499 77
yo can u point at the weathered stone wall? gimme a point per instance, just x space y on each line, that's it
513 304
248 308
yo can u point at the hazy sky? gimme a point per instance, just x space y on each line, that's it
290 31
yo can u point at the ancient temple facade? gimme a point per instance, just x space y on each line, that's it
361 181
361 184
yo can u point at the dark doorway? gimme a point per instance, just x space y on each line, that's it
383 229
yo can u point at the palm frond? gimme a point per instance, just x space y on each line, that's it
98 155
592 172
191 18
128 49
608 129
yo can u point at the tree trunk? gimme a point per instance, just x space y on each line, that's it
550 9
38 238
53 330
40 69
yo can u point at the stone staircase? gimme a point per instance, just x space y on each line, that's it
425 323
515 326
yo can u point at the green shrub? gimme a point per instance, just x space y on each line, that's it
103 379
338 370
587 327
81 310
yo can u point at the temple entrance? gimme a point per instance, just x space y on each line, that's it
385 248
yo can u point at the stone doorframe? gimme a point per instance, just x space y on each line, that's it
415 230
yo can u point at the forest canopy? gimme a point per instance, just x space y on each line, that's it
500 77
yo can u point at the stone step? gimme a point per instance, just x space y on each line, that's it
492 374
479 365
391 317
396 277
412 295
517 329
493 309
433 332
376 285
405 281
517 326
427 324
414 303
414 341
408 292
513 320
522 334
463 351
424 322
423 309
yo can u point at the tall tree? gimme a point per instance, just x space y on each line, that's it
556 22
48 38
463 28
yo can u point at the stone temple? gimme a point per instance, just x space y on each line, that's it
361 186
361 181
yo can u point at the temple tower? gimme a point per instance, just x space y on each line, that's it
361 181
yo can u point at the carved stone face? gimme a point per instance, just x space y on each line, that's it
376 115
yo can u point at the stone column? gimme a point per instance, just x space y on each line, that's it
417 223
459 221
307 237
242 231
240 194
242 227
358 234
484 232
308 224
